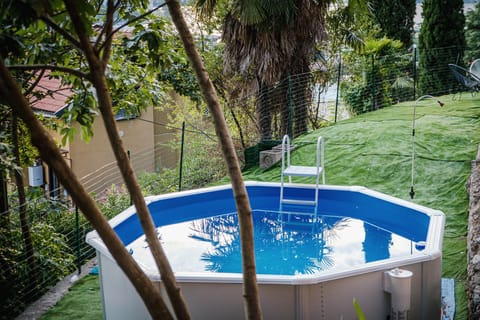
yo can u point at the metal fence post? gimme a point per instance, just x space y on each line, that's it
77 231
374 87
290 107
414 72
338 85
180 170
129 159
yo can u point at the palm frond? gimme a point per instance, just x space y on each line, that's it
205 8
249 12
403 83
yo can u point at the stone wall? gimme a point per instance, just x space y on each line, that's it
473 241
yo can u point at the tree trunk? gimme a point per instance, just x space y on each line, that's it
148 291
250 289
4 212
22 208
97 69
264 112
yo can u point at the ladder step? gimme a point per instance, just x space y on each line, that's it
301 202
302 171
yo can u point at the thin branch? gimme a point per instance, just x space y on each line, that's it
107 45
131 21
69 37
102 32
35 83
50 67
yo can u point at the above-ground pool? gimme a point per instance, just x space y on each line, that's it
311 262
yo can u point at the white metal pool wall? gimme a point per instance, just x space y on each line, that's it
325 296
328 299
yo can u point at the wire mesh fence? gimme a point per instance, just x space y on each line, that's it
189 157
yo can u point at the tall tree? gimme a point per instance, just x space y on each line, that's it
395 18
441 41
472 33
267 42
250 288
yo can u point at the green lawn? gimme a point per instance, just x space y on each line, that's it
374 150
82 302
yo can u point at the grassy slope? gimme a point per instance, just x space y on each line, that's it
374 150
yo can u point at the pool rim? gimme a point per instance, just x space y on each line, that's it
432 251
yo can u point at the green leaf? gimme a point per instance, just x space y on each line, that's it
358 310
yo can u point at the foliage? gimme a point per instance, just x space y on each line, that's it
53 254
165 181
133 86
442 27
204 164
472 33
266 43
376 69
52 251
114 201
26 151
358 310
395 19
88 29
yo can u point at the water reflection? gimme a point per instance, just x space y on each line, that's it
376 245
284 243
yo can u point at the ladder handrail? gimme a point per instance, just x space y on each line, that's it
320 166
321 157
285 140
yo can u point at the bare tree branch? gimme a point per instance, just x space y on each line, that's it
70 38
107 45
132 21
50 67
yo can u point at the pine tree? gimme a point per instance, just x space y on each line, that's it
441 41
395 18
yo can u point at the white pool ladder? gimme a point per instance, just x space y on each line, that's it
301 171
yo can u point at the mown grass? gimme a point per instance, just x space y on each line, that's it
82 302
374 150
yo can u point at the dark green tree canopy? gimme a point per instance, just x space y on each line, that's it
441 41
472 33
395 18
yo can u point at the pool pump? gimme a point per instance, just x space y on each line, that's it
398 283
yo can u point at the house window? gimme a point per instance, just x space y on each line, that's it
123 114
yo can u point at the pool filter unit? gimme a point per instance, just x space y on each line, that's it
398 283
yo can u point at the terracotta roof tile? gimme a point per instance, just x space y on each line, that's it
55 98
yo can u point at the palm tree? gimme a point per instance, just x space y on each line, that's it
267 42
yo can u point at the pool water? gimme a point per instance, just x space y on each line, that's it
285 244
